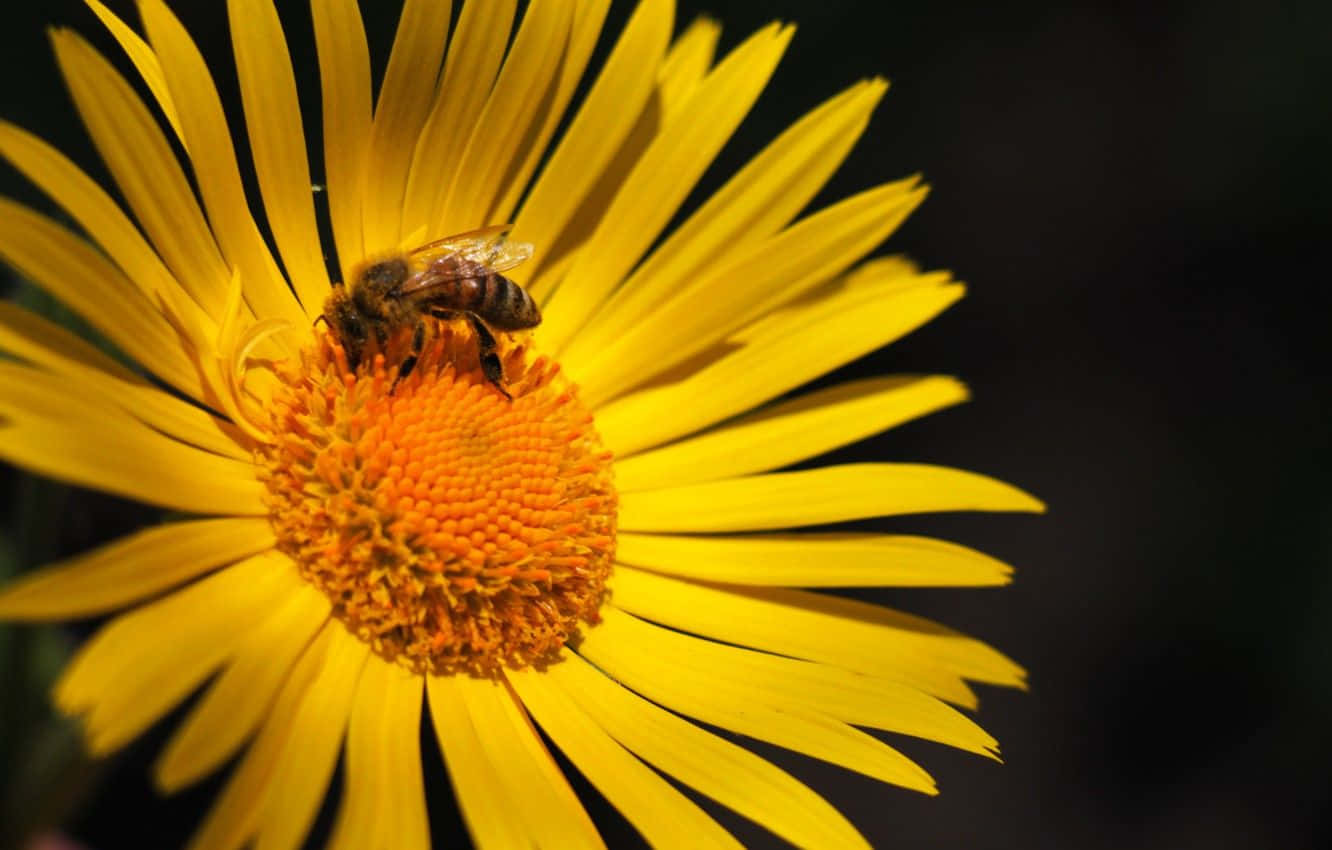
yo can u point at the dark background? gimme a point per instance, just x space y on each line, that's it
1138 195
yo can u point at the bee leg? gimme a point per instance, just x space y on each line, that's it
352 337
490 362
409 362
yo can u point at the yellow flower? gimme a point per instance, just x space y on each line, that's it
370 539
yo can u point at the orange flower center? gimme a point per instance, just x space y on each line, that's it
452 529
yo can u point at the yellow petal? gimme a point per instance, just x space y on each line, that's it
661 180
470 67
800 345
599 128
681 74
687 64
132 568
344 80
236 703
759 200
875 272
384 802
83 442
236 337
305 765
145 170
814 560
782 682
29 337
174 418
144 662
404 102
584 31
61 263
277 141
529 781
664 816
729 774
703 311
720 702
490 815
879 279
816 496
235 816
86 373
145 62
548 274
27 396
793 431
149 469
512 111
215 169
818 627
102 219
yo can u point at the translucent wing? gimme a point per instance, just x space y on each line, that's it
476 253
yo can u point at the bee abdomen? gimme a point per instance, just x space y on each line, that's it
506 305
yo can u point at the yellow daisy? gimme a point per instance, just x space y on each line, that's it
577 533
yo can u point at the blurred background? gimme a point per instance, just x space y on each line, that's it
1138 195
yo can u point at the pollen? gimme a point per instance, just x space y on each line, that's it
453 529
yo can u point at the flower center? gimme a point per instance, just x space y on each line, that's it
454 530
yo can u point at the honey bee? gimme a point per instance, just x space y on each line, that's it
458 277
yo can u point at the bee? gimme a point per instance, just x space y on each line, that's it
458 277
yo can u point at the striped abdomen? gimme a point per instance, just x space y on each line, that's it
501 303
492 297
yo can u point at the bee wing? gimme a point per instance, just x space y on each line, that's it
465 255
